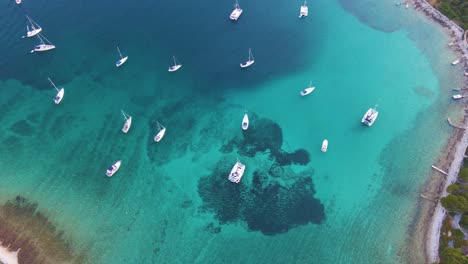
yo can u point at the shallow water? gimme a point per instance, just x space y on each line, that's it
171 201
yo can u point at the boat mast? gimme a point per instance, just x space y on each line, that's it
123 113
119 52
250 55
175 63
305 2
53 84
49 43
237 5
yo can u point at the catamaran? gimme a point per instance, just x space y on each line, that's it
18 2
237 172
304 10
160 134
324 145
113 168
175 67
236 12
44 46
128 122
32 28
245 122
308 90
122 58
370 116
249 62
60 92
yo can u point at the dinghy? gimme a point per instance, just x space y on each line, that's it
122 58
128 122
304 10
160 134
308 90
44 46
175 67
370 116
236 12
249 62
245 122
32 28
237 172
114 168
60 92
324 145
457 96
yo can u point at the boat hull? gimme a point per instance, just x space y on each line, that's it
304 11
307 91
245 122
33 33
174 68
121 61
236 13
247 64
160 135
127 125
369 117
58 98
113 169
43 47
237 172
324 145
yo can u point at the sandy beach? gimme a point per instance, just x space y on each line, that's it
8 257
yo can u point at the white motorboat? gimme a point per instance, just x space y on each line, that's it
237 172
60 92
370 116
245 122
249 62
304 10
113 169
161 132
324 145
236 13
32 28
457 96
308 90
128 122
122 58
174 67
44 46
18 2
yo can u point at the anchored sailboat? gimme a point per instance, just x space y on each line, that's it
122 58
160 134
32 28
60 92
245 122
128 122
44 46
236 12
18 2
304 10
249 62
308 90
176 66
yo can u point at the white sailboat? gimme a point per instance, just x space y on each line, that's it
160 134
122 58
236 12
18 2
245 122
308 90
175 67
304 10
370 116
248 62
128 122
60 92
237 172
113 168
44 46
324 145
32 28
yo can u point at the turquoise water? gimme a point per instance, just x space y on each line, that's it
171 202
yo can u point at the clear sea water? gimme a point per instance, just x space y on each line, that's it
171 202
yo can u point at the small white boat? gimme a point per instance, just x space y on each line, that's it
236 13
128 122
457 96
455 62
308 90
160 134
237 172
324 145
370 116
175 67
245 122
44 46
32 28
304 10
122 58
249 62
18 2
113 169
60 93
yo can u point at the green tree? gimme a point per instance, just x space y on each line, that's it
463 175
455 203
452 256
464 221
